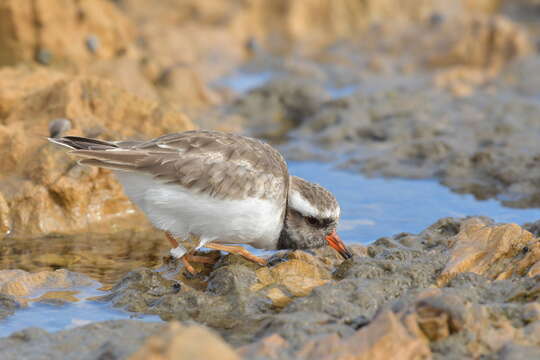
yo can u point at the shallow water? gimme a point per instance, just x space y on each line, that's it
371 208
241 81
53 317
374 207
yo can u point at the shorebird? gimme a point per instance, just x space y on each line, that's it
217 189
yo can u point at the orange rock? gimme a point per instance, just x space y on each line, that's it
386 336
299 275
316 22
127 73
439 316
477 52
45 191
5 222
535 269
495 251
278 297
184 86
180 342
61 296
189 35
482 42
30 31
461 80
271 347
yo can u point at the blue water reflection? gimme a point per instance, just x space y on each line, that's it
60 317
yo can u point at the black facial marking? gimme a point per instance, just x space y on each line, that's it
284 241
313 221
319 223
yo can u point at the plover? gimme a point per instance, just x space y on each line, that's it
217 189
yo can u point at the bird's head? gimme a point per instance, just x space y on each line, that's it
311 218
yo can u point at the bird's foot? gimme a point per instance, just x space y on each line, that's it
233 249
188 259
188 266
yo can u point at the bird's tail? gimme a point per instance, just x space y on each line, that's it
82 143
110 155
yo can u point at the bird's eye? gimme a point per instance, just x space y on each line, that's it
313 221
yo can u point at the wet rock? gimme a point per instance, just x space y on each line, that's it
116 339
185 342
139 289
44 190
224 303
235 298
30 25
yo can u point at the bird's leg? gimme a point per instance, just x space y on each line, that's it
186 258
237 250
178 249
188 266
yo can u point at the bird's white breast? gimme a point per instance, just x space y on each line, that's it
173 208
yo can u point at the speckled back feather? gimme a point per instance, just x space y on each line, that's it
225 166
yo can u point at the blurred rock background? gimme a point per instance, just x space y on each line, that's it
130 69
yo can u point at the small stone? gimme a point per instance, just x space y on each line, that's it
93 43
436 19
44 56
59 126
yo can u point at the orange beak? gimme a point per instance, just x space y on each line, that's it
335 242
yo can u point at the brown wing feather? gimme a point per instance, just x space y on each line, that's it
221 165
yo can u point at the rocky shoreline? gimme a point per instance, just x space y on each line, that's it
461 288
427 90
